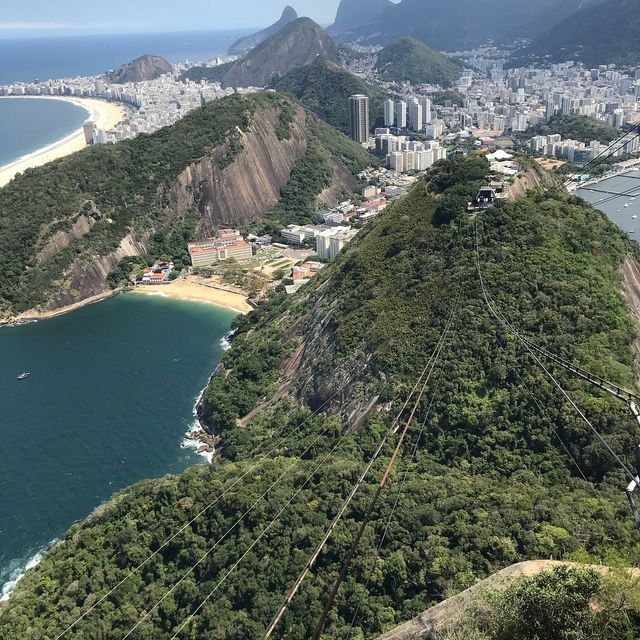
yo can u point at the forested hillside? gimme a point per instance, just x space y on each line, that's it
409 60
573 127
65 225
601 32
325 87
490 483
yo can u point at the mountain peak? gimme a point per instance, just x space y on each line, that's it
245 44
297 44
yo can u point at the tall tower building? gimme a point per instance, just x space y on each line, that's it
415 116
389 113
401 114
426 108
359 112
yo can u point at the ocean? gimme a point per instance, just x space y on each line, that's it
28 124
614 206
109 399
30 59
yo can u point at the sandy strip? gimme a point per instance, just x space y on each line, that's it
193 292
106 115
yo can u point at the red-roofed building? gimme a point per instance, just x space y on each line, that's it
227 244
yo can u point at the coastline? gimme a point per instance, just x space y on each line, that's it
35 316
194 292
106 115
184 290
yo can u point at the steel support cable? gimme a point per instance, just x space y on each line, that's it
621 139
515 333
232 527
395 504
555 431
345 565
320 546
204 510
263 533
614 388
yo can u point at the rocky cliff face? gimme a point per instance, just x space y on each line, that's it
243 45
244 191
144 68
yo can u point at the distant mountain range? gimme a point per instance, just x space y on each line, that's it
296 45
244 45
456 24
140 70
601 33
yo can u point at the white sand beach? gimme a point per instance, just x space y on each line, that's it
106 115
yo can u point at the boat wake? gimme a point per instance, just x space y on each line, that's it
18 568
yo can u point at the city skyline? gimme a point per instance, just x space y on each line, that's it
78 17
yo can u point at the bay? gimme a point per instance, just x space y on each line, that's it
29 124
614 206
108 401
30 59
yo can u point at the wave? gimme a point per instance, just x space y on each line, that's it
225 341
18 568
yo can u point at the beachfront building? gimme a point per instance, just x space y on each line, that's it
228 244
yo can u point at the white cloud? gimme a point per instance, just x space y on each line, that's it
36 26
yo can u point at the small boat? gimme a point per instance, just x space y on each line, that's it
634 217
23 376
626 205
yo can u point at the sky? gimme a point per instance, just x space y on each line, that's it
27 18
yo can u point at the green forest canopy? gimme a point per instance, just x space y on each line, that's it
490 484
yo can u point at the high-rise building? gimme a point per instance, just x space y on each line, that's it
401 114
550 110
359 111
426 108
415 115
566 105
389 113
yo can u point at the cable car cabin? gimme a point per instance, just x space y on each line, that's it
486 197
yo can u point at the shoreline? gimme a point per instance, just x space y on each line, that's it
106 115
185 291
190 291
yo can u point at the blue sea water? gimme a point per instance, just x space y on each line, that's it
109 399
28 124
624 209
30 59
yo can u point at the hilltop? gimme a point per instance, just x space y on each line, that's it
325 87
66 225
141 69
604 33
296 45
323 373
243 45
412 61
